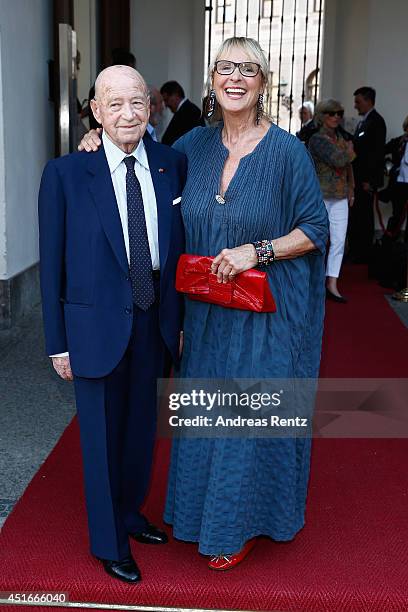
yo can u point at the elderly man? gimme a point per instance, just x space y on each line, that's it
156 111
308 127
110 237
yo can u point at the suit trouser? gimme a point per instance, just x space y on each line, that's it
361 226
117 419
337 211
399 202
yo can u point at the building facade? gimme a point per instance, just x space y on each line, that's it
361 43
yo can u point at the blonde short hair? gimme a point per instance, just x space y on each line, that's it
326 106
252 49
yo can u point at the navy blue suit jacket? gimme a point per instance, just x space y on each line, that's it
85 283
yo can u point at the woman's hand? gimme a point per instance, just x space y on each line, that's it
231 262
91 141
350 197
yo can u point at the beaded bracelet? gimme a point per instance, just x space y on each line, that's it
265 252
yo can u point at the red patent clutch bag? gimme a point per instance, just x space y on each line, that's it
248 290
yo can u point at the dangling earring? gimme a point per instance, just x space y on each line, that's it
210 106
259 109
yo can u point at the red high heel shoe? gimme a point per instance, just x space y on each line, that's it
226 562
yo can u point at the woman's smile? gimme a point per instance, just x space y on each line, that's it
235 93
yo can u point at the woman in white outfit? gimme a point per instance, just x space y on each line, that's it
333 155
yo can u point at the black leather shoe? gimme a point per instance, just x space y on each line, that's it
335 298
150 535
125 570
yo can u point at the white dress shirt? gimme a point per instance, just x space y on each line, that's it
181 103
117 168
364 117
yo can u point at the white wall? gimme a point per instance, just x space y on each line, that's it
167 39
26 45
387 59
364 45
3 242
85 27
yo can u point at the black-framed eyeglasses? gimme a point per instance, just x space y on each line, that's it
339 113
247 69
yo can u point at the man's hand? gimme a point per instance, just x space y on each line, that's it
366 186
233 261
63 367
91 141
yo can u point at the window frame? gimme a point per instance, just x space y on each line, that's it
316 6
219 11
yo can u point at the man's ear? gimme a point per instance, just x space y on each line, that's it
95 110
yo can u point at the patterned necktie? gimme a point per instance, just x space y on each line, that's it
140 258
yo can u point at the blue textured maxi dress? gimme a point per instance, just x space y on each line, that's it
222 492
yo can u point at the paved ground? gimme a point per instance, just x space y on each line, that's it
401 308
35 408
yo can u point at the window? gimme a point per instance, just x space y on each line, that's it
271 5
316 6
277 8
224 7
266 8
312 85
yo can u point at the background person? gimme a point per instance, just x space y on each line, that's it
156 111
333 156
389 263
186 115
308 127
397 189
368 167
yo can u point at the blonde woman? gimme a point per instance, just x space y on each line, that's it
333 155
248 182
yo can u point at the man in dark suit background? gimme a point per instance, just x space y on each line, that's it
368 167
110 237
186 114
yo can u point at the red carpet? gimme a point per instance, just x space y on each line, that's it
351 556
